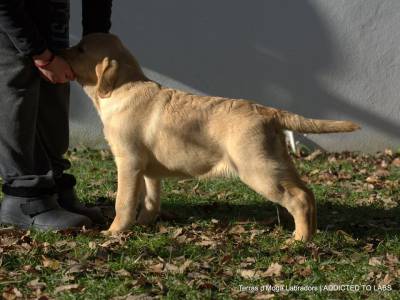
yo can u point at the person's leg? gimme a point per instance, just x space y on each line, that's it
53 128
22 164
53 109
53 124
28 182
53 120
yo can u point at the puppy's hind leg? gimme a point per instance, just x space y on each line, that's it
298 200
150 206
285 188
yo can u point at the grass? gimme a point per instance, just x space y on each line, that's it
220 240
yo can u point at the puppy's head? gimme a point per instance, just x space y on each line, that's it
96 61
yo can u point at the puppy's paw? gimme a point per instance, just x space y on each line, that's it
302 237
147 217
110 233
289 242
146 220
106 232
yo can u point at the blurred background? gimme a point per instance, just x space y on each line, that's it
319 58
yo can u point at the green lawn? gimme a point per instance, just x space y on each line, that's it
220 240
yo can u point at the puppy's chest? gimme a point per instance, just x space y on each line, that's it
109 108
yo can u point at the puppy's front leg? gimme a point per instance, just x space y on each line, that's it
129 179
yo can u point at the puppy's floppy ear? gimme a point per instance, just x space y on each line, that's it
106 77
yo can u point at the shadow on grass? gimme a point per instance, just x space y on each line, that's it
359 222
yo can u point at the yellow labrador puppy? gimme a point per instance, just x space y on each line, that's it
157 132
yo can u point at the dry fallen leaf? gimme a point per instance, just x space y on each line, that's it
237 229
75 268
181 239
396 162
197 275
17 293
206 241
327 268
226 259
248 274
123 273
305 272
162 229
375 261
139 297
388 152
60 244
392 259
389 203
36 284
67 287
264 296
248 261
369 248
171 268
184 266
313 155
274 269
381 173
157 268
300 259
11 294
372 179
370 276
50 263
177 232
109 243
92 245
387 280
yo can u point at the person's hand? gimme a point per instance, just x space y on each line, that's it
53 68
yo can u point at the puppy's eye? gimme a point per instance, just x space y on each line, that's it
81 49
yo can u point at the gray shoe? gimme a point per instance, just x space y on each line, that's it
69 201
42 213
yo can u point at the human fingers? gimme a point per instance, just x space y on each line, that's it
47 75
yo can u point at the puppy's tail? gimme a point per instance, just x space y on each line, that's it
301 124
